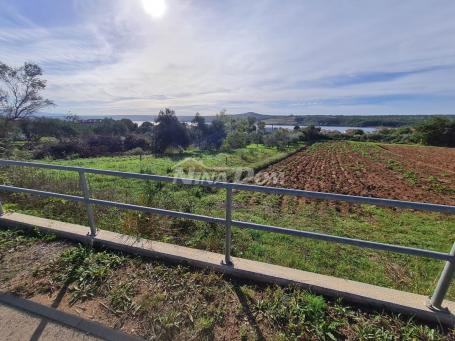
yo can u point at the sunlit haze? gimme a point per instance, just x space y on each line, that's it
156 8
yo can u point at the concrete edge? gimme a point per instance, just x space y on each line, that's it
350 291
90 327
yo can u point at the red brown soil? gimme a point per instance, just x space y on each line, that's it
368 170
426 161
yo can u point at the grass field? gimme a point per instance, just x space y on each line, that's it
354 168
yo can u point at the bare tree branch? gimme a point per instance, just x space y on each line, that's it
20 91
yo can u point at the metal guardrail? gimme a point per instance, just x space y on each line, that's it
435 301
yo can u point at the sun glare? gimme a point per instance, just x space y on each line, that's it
155 8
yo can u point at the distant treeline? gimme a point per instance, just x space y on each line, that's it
72 138
389 121
41 137
435 131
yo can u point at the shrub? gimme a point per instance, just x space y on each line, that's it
312 133
236 140
278 138
102 145
135 151
136 141
437 131
169 132
61 150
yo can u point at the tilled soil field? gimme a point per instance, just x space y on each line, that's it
414 173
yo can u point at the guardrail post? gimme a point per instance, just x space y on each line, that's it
227 242
86 193
443 285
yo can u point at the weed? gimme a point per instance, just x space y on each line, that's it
121 299
151 302
299 313
243 331
86 269
389 327
167 325
12 239
439 186
366 149
396 166
205 324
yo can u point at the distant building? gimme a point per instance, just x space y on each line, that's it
90 121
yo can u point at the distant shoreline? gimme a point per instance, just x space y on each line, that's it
270 127
351 121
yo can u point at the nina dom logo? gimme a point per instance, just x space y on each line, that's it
191 169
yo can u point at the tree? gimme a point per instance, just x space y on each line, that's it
109 126
258 136
251 121
352 132
278 138
133 141
199 130
146 127
20 89
235 140
130 125
216 133
312 133
437 131
169 132
47 127
70 117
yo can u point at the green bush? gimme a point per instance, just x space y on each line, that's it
437 131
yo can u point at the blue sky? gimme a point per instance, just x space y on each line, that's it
279 57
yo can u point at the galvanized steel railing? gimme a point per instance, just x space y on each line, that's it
435 301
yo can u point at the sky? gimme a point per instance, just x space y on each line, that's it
108 57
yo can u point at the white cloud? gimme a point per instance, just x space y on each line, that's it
264 56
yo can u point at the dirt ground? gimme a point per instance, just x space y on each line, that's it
167 302
175 296
413 173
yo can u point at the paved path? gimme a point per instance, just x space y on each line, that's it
16 325
25 320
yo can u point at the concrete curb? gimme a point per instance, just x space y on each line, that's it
351 291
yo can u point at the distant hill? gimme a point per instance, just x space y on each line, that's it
259 117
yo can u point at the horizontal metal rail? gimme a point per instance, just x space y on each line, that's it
347 198
14 189
120 174
443 283
244 187
242 224
346 240
146 209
